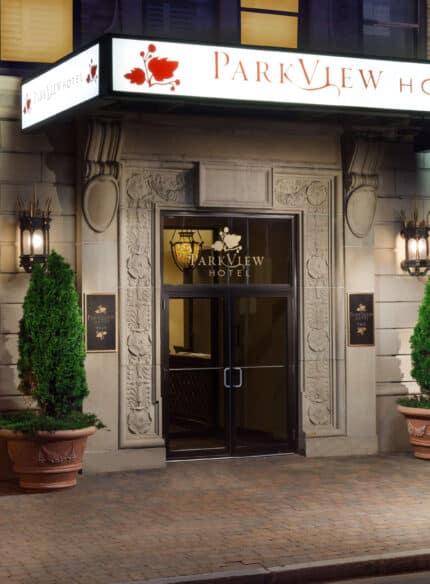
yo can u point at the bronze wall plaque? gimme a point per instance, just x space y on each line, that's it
361 320
101 322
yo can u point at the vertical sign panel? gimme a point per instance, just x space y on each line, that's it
100 320
361 319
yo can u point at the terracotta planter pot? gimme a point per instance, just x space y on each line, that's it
418 421
48 460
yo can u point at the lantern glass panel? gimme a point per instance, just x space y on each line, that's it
37 240
422 248
26 242
412 248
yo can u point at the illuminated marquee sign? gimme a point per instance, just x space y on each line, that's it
285 77
164 70
62 87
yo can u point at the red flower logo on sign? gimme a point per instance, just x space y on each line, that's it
27 105
156 70
92 74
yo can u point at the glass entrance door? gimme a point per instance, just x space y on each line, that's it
196 411
229 332
262 400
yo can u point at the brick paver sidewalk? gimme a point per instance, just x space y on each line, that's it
212 516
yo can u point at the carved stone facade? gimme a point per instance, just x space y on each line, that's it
143 189
314 198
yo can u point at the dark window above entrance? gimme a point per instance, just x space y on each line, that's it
386 28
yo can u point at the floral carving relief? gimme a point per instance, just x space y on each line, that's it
143 189
302 193
163 186
311 195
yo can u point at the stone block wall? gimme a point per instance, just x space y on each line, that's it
404 182
44 162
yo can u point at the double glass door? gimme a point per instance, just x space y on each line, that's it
229 365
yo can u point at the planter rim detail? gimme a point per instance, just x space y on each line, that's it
47 435
414 412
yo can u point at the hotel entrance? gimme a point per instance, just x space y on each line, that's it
229 334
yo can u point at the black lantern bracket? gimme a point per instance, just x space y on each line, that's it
416 236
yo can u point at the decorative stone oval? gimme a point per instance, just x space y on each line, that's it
317 267
100 202
318 340
138 343
319 414
139 420
137 266
316 193
360 210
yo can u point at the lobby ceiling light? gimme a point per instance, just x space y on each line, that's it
185 249
34 223
416 236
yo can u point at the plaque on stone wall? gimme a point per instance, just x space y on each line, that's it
101 323
361 320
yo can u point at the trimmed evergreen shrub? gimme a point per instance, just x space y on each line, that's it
420 354
52 352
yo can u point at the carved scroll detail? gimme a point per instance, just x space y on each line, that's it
364 158
101 173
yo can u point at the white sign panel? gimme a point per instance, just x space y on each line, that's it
68 84
201 71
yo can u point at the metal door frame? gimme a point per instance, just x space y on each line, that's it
287 291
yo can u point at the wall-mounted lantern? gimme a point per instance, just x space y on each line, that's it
34 223
416 236
185 249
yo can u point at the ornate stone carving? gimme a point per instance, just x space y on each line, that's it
316 193
319 414
317 392
318 340
317 267
312 196
297 192
161 186
364 158
102 171
144 188
139 417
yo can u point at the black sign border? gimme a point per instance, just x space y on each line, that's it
103 294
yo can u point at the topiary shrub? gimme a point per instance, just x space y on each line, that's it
52 352
420 354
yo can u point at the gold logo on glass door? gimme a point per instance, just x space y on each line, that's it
227 259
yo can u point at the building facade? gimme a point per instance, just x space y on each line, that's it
244 346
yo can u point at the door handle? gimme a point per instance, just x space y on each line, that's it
226 384
238 385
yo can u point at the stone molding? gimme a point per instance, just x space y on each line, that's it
364 157
143 189
314 197
102 170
